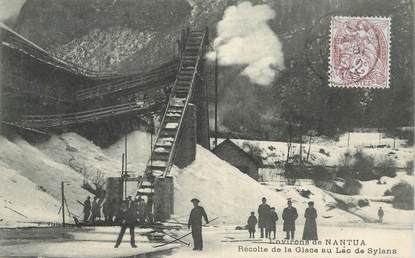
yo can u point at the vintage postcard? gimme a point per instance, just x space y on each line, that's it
207 128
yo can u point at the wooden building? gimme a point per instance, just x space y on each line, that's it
235 155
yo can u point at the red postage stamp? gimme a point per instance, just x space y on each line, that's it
359 52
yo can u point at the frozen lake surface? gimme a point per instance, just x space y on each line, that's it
219 241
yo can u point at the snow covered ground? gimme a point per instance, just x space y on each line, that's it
226 242
224 191
374 192
31 189
328 152
219 241
227 193
40 173
81 155
372 188
22 201
30 192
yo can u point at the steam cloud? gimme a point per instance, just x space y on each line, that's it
245 38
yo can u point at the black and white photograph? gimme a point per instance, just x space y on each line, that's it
207 128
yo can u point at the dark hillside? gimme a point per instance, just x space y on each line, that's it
128 35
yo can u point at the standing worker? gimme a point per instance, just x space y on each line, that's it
87 208
263 212
380 214
195 221
289 215
128 220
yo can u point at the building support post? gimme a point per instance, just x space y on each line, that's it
63 203
216 99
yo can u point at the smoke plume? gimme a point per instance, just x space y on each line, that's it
245 38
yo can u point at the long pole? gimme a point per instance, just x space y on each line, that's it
125 166
63 203
152 130
125 151
122 177
216 99
122 164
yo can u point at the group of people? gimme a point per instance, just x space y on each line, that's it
112 210
268 217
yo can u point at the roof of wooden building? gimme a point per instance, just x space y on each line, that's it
239 149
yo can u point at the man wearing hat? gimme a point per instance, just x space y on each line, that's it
289 215
263 214
195 221
128 218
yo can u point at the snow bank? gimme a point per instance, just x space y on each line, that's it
325 204
138 148
391 214
372 188
22 201
32 175
224 191
369 213
227 193
40 170
81 155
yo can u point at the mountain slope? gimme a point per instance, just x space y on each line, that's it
88 32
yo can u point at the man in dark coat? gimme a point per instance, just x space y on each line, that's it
87 208
310 225
263 212
380 214
95 209
289 215
272 222
128 218
195 221
134 206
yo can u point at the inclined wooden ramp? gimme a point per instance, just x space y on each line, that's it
166 143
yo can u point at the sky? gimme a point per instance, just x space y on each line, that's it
9 8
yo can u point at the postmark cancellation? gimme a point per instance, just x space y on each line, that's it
359 52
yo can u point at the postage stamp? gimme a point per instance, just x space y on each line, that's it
359 52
